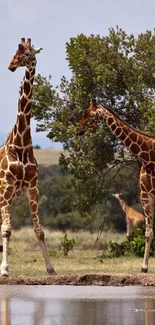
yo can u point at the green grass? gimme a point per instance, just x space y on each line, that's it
26 259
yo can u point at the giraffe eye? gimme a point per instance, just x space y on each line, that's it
91 115
27 54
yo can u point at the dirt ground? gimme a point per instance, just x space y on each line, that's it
100 279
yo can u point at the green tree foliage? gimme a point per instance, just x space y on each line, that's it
57 208
119 70
56 204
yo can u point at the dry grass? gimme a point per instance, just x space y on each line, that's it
26 259
48 157
84 239
28 263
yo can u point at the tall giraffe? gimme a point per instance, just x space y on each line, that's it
141 145
132 217
18 167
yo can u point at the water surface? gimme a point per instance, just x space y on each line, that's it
76 305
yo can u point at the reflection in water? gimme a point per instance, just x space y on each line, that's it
5 317
16 309
38 316
149 306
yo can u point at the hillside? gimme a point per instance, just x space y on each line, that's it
47 157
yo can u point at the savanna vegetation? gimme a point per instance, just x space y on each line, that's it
87 255
57 203
118 70
24 251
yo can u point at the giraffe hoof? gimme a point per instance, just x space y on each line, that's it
51 271
4 270
5 274
143 270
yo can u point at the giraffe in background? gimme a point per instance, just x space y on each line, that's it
141 145
132 217
18 167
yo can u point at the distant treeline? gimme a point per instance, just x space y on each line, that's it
58 208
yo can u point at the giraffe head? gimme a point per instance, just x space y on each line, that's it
118 195
24 56
90 119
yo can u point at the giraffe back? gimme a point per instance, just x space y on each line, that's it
133 215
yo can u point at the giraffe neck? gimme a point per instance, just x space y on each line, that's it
20 136
138 143
123 204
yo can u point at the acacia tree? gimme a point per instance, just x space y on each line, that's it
117 69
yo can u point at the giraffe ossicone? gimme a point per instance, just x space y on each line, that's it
18 166
142 146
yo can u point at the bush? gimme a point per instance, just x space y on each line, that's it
116 249
133 245
67 244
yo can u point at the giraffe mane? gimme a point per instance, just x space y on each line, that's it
124 122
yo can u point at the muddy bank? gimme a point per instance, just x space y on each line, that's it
100 279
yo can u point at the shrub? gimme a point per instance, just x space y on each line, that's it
67 244
133 245
116 250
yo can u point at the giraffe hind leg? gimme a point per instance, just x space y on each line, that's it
148 207
41 239
32 196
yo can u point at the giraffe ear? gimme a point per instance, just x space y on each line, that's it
38 50
35 51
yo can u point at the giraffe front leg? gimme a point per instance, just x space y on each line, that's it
128 227
148 207
32 196
6 232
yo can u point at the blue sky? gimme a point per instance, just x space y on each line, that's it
50 24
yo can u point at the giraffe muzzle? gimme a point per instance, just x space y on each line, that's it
80 132
11 68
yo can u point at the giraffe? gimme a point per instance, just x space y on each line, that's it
18 167
142 146
132 217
